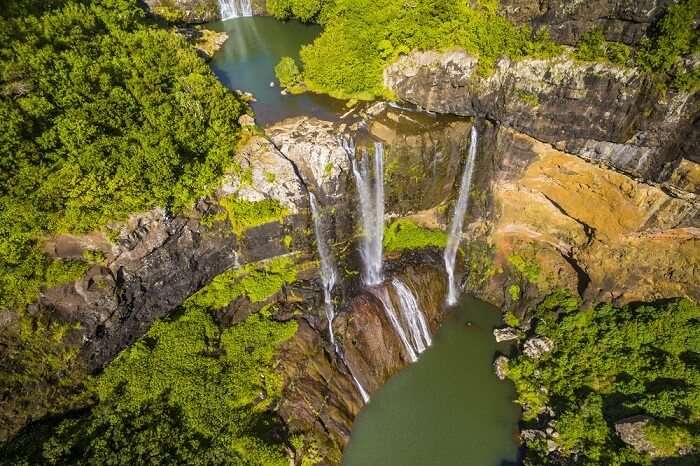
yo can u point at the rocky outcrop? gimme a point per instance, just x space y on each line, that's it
620 20
631 431
600 112
188 11
423 155
588 229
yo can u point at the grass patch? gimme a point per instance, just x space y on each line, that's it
404 234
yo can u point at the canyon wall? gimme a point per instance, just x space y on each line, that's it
620 20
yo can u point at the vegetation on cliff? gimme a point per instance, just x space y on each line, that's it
103 114
188 392
609 364
404 234
661 53
361 37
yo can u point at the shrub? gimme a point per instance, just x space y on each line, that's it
608 364
288 73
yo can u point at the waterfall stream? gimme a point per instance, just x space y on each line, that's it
455 232
383 295
413 316
329 277
409 324
371 192
235 8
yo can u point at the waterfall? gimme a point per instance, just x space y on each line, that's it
235 8
413 316
383 295
455 233
329 274
329 277
371 210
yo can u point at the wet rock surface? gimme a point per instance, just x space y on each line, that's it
319 395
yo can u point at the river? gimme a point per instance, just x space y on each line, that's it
247 62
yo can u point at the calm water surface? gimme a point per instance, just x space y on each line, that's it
247 62
448 409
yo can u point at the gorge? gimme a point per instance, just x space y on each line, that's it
317 266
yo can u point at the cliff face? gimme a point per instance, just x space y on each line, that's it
589 229
620 20
599 112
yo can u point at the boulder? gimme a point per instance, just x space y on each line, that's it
505 334
631 431
500 366
537 346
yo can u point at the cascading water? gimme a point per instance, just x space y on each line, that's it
329 274
409 325
371 210
455 233
329 277
413 316
235 8
383 295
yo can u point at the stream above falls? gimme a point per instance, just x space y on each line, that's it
447 409
247 60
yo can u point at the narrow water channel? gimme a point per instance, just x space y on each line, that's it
447 409
247 62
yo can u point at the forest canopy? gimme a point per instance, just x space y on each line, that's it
361 37
102 113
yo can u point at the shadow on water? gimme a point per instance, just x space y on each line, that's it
247 62
448 409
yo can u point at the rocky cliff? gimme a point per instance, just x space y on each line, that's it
621 20
599 112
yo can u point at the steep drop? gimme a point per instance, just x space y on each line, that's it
235 8
455 232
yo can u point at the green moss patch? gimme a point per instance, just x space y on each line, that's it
404 234
243 214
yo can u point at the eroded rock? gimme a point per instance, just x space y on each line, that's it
505 334
537 346
601 112
500 366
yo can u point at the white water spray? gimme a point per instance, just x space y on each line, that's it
371 191
235 8
383 295
412 316
329 275
455 233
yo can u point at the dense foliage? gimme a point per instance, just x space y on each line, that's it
661 53
102 114
360 37
243 215
609 364
675 36
189 392
304 10
404 234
